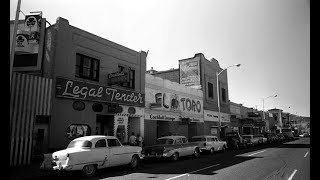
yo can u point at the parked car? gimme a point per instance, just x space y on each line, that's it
251 140
281 137
171 147
234 140
261 139
90 153
209 143
271 137
288 132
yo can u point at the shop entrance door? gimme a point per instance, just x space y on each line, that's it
40 138
105 125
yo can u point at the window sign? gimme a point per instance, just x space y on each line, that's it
78 130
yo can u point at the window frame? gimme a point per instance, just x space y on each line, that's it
132 76
212 92
94 67
223 95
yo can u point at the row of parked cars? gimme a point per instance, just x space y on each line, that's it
90 153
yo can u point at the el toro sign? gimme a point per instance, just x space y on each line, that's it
93 92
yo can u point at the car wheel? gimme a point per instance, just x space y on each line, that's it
175 157
134 162
211 151
89 170
196 152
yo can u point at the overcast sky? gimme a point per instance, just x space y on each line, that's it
269 38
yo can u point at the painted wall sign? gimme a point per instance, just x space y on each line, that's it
190 72
75 89
174 102
163 117
213 116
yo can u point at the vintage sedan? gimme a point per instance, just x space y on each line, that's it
171 147
251 140
90 153
261 139
209 143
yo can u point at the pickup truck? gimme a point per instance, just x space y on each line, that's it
234 140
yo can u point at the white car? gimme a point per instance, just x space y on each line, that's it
209 143
90 153
251 140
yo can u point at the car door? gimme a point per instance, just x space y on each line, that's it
118 154
180 147
211 143
188 148
100 153
217 143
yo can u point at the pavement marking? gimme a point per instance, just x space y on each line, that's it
187 174
306 154
257 153
294 172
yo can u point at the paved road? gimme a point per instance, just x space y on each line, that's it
290 160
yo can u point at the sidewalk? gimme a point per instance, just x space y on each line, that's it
31 171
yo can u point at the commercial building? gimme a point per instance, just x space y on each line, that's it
95 86
171 109
199 73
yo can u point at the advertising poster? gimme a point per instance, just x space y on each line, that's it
190 72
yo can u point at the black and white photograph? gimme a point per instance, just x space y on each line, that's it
159 90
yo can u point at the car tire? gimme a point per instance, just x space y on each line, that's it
134 163
223 149
89 170
175 157
211 151
196 153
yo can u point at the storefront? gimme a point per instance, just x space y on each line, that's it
211 123
171 109
82 108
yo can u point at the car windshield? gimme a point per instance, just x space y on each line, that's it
80 144
195 139
164 141
246 137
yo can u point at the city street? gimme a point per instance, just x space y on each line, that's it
290 160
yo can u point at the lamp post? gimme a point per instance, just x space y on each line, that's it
264 117
219 117
13 42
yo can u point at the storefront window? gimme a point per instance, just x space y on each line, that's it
78 130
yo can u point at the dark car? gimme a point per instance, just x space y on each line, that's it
234 140
171 147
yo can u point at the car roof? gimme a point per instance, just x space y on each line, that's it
203 136
171 137
89 138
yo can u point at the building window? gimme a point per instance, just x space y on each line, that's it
78 130
131 83
210 90
87 67
224 97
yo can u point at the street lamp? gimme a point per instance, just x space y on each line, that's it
217 74
264 117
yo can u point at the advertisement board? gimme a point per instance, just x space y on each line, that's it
75 89
214 116
190 72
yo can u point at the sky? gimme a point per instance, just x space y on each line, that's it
269 38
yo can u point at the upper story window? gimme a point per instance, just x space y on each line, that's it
224 96
210 90
131 83
87 67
